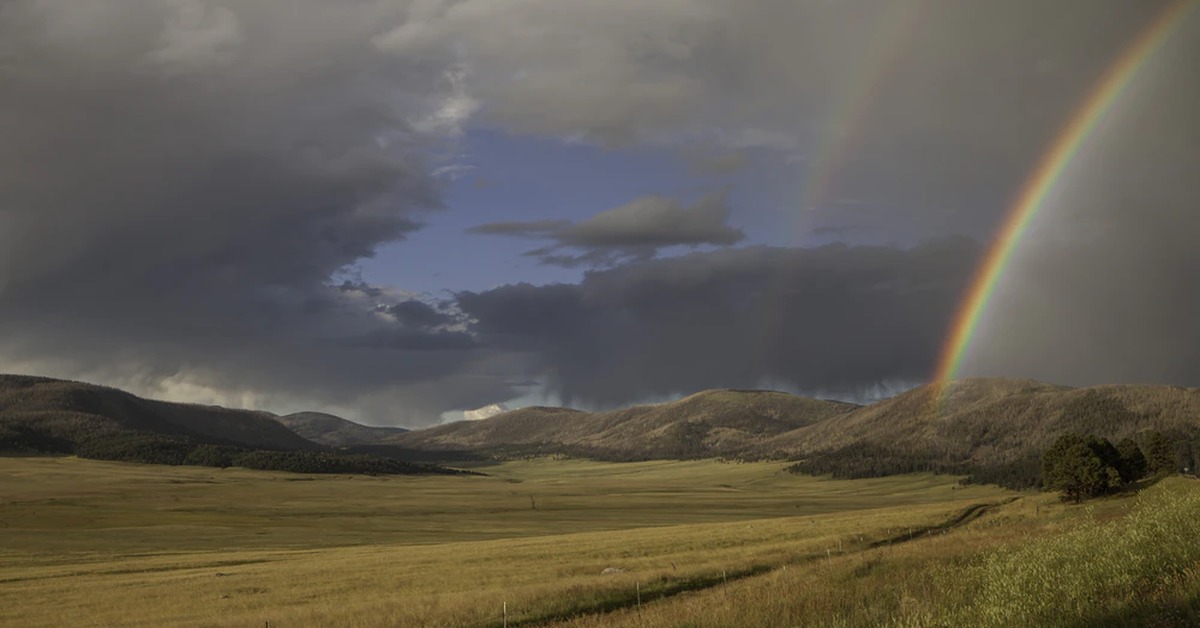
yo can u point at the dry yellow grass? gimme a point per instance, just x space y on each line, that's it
1121 561
91 543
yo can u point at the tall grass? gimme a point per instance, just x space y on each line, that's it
1097 572
98 543
1126 561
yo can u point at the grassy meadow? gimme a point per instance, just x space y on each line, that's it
1122 561
571 542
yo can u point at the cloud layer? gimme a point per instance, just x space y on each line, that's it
929 109
185 186
835 318
635 230
180 184
1100 289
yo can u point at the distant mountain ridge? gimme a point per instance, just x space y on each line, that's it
335 431
39 415
988 426
990 423
708 423
70 411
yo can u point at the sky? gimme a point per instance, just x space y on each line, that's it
398 210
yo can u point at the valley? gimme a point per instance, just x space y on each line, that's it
727 507
151 545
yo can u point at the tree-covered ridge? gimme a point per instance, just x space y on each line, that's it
1103 466
873 461
72 410
47 416
149 448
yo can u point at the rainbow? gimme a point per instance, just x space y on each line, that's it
841 134
844 132
1045 176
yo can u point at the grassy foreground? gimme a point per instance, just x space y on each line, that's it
578 543
89 543
1123 561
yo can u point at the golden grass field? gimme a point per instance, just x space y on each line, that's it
705 543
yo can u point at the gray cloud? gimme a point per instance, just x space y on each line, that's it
419 315
835 318
1102 286
935 108
184 184
637 229
655 221
930 113
179 183
713 163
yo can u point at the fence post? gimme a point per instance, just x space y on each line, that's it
638 588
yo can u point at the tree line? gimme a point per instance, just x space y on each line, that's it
868 460
150 448
1081 466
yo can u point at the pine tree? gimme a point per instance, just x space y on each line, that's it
1080 467
1160 454
1133 461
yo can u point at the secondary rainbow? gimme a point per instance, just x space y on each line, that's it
1046 175
844 131
841 134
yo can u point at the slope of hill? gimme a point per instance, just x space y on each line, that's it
994 429
709 423
335 431
42 415
986 424
67 412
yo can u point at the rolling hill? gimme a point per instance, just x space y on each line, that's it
48 416
1001 425
65 412
992 428
707 424
335 431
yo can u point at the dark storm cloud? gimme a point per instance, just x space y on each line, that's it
179 183
934 108
835 318
411 340
638 229
840 232
933 112
185 184
1102 287
418 315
